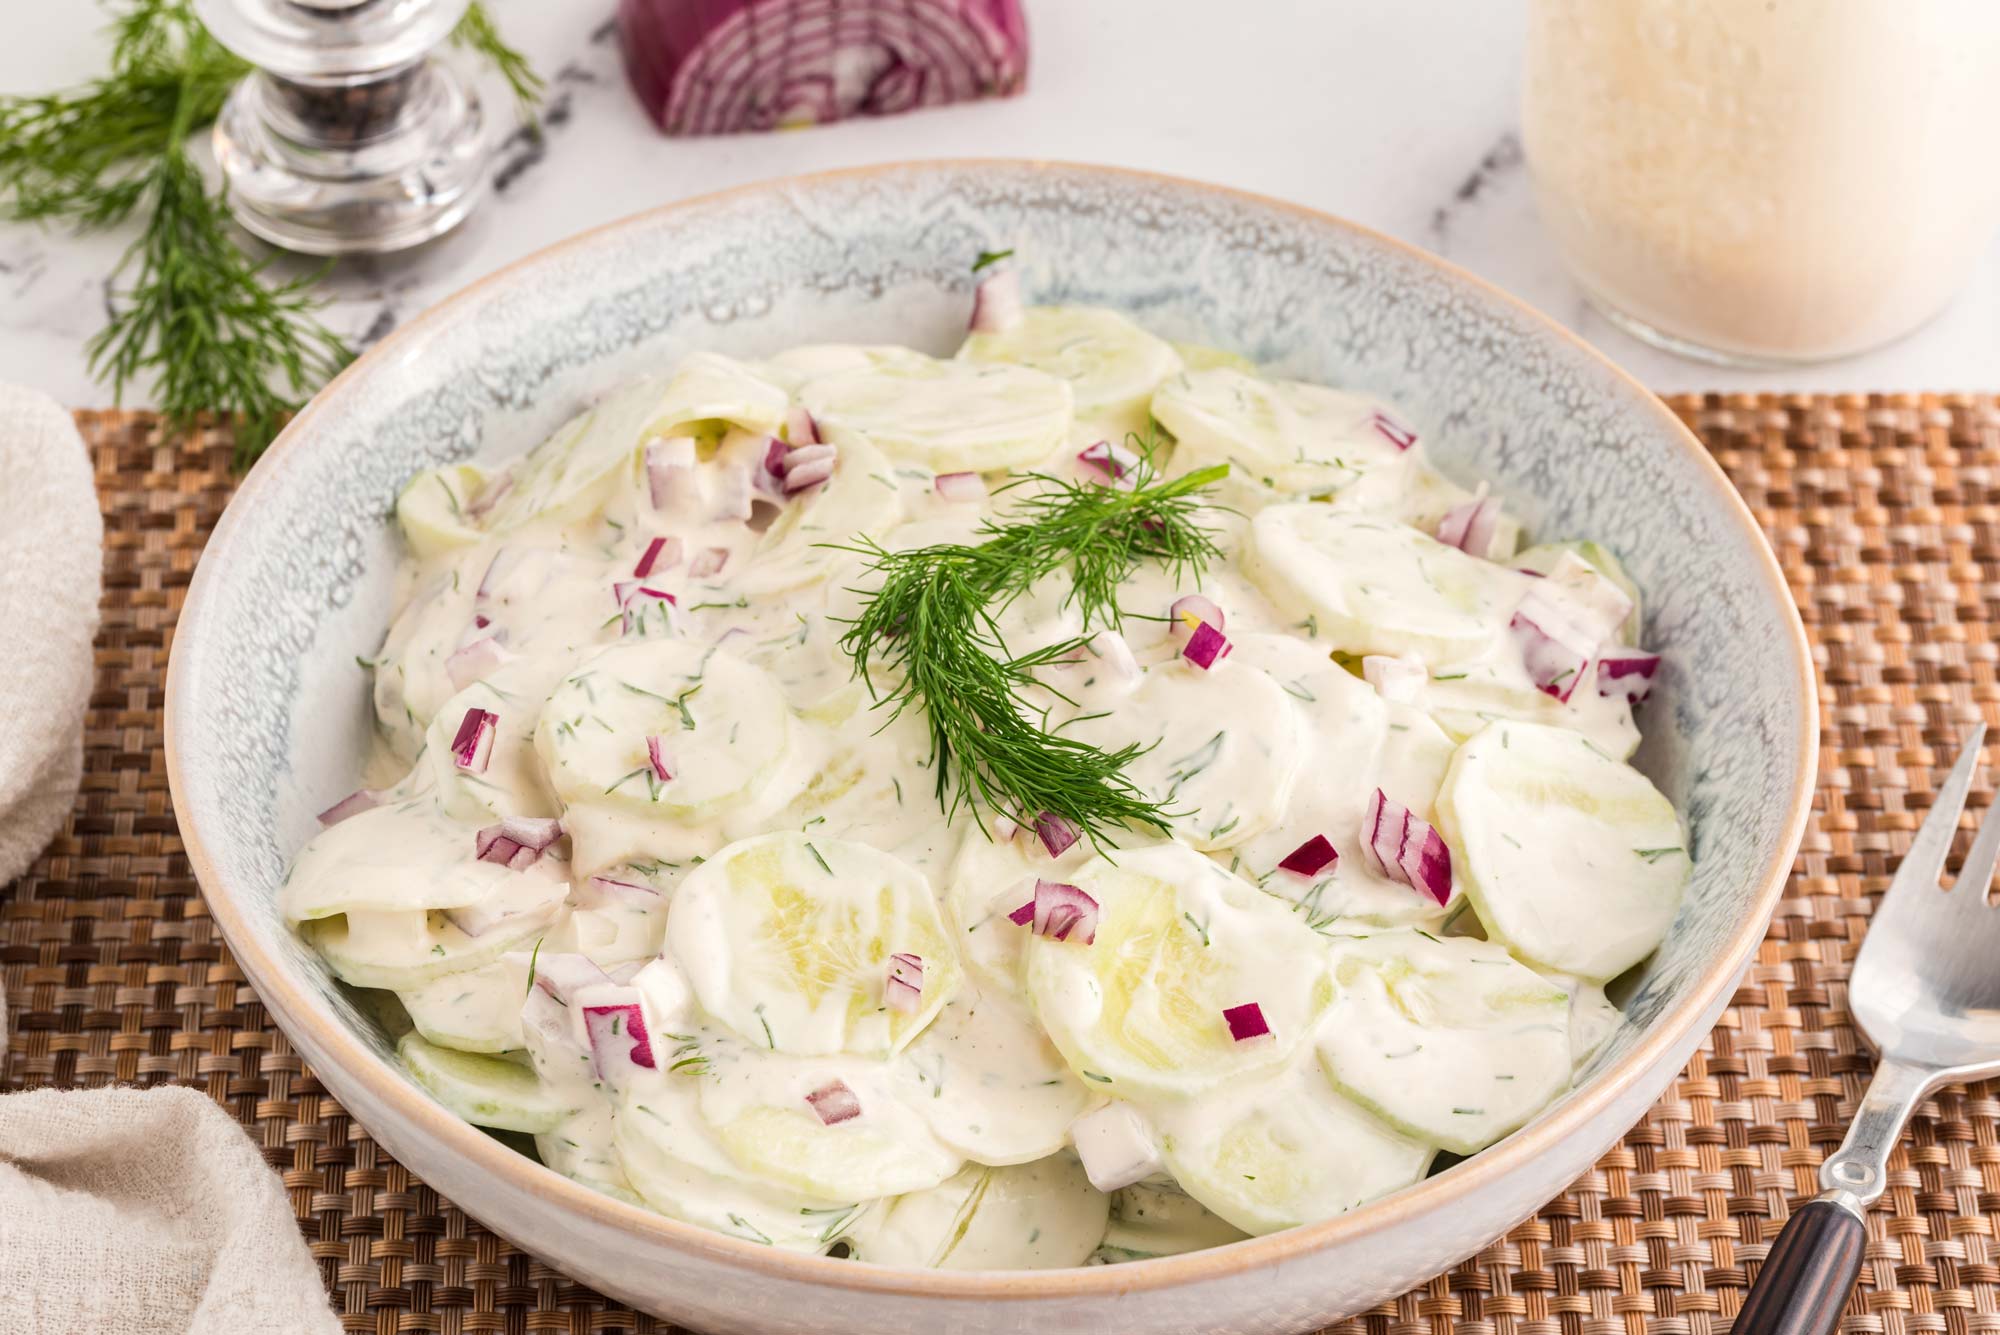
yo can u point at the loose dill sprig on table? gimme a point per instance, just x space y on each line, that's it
196 315
932 624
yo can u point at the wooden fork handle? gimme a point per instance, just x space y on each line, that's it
1805 1282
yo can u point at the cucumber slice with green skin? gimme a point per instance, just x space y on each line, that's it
1139 1011
1572 859
1155 1220
1112 365
1033 1216
1280 437
1220 747
475 1011
786 939
1378 587
989 1083
755 1105
485 1091
405 857
400 952
1273 1154
1449 1040
948 416
432 508
1543 557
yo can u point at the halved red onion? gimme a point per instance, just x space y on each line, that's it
672 482
1062 910
1402 437
517 842
1471 527
1205 646
1397 679
656 756
1247 1022
708 561
356 802
905 989
562 974
800 428
1055 833
618 1038
1311 857
1111 464
1191 610
960 487
726 66
996 303
834 1103
660 554
472 747
475 660
1554 651
1400 846
1626 674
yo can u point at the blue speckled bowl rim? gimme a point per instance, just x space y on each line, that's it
284 994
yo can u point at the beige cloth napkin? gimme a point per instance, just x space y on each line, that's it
122 1211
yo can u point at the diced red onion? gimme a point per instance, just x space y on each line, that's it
356 802
834 1103
800 428
671 480
728 66
1391 430
905 989
1056 833
708 561
1024 915
1191 610
1246 1022
1554 651
475 660
1588 599
1205 646
996 303
562 974
1109 648
1397 679
960 487
1062 910
660 554
657 758
808 466
516 842
472 748
1626 674
1310 857
775 451
618 1038
1112 464
1471 527
1399 846
638 600
602 890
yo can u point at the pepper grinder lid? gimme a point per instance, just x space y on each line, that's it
349 137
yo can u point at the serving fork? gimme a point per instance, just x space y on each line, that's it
1925 991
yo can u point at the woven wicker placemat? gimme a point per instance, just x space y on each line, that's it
1886 515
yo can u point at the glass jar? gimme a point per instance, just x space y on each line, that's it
1766 181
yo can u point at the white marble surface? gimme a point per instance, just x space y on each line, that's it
1399 114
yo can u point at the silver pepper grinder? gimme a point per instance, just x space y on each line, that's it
348 138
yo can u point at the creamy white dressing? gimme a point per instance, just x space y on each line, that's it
758 980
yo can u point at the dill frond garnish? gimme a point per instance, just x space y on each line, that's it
931 627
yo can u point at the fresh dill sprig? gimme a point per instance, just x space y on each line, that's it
477 33
195 315
932 624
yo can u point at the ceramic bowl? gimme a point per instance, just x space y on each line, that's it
267 718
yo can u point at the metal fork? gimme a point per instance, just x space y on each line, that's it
1926 992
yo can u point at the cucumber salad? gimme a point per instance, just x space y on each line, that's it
1076 800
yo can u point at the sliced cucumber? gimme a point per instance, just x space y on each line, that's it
402 858
948 416
1201 357
1448 1039
786 938
1112 365
403 951
1034 1216
485 1091
509 783
862 500
1139 1011
1378 587
431 510
1572 858
1273 1154
1150 1219
475 1011
1280 437
990 1084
